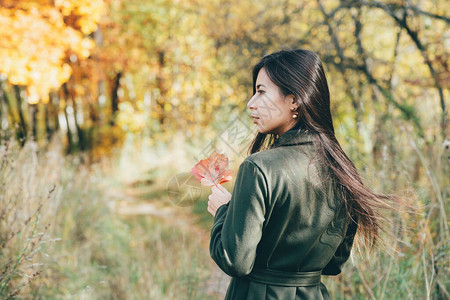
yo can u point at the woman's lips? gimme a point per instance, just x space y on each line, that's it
255 118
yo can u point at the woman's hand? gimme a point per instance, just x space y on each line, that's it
219 196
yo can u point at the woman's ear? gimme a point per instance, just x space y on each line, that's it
293 101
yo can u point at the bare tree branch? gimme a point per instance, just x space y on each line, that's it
347 63
342 69
391 10
390 6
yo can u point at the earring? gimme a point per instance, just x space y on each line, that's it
295 116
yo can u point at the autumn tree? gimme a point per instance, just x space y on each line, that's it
38 39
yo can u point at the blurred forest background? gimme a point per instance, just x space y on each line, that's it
105 105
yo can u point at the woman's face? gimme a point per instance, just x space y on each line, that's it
270 109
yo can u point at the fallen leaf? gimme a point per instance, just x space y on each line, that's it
212 170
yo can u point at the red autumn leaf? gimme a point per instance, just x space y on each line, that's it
213 170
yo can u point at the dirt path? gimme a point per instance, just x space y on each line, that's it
135 201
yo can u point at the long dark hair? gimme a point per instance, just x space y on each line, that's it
300 73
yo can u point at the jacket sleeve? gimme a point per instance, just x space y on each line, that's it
334 267
237 227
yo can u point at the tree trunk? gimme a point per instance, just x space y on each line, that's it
51 117
115 98
47 112
10 112
160 99
66 116
82 143
1 112
22 124
34 111
54 113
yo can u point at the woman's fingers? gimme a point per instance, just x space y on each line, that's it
214 189
219 196
218 189
222 188
212 204
211 211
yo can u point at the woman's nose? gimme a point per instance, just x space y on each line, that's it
251 103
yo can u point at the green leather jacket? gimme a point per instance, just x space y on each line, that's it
284 226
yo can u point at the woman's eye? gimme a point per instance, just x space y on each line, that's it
260 91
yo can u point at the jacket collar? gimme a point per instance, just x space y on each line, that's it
294 137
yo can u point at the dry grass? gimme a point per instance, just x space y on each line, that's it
60 237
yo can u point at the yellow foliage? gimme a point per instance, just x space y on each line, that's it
88 12
131 119
36 39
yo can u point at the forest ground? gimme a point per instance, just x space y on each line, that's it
142 198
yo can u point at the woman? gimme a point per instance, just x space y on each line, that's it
298 199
